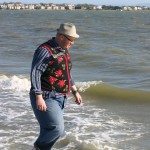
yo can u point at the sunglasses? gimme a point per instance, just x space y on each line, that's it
68 38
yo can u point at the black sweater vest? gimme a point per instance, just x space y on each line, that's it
57 75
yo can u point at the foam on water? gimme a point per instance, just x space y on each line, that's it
21 83
83 86
92 128
88 127
14 83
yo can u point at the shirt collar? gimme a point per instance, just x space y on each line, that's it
57 46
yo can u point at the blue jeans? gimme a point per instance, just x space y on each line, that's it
51 122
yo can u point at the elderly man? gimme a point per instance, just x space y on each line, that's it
51 81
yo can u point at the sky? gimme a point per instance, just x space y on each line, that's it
96 2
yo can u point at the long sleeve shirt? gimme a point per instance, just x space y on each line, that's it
40 62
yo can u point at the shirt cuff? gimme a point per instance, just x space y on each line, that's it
38 92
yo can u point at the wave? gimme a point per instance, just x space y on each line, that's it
106 91
14 83
96 89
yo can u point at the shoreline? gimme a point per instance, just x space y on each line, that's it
77 10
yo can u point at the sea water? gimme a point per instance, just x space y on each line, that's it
111 67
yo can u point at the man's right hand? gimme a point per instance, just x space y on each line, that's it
40 103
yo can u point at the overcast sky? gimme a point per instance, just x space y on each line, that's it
97 2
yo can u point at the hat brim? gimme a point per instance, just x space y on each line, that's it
72 35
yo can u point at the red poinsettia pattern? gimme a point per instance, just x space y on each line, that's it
58 73
52 80
61 83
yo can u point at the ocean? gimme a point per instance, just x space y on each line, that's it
111 67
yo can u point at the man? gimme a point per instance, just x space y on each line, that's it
51 81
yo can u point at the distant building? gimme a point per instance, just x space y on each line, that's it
55 7
137 8
61 7
99 7
42 7
17 6
127 8
49 7
10 6
31 6
69 6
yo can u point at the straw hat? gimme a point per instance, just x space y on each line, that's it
68 29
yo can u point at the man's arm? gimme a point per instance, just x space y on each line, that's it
39 65
75 92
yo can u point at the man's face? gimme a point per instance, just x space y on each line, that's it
67 42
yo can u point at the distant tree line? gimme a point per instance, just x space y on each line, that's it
104 7
84 6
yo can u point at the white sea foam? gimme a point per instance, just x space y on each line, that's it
17 83
92 128
85 85
20 83
72 141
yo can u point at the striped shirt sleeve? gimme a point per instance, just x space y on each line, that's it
39 65
71 80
